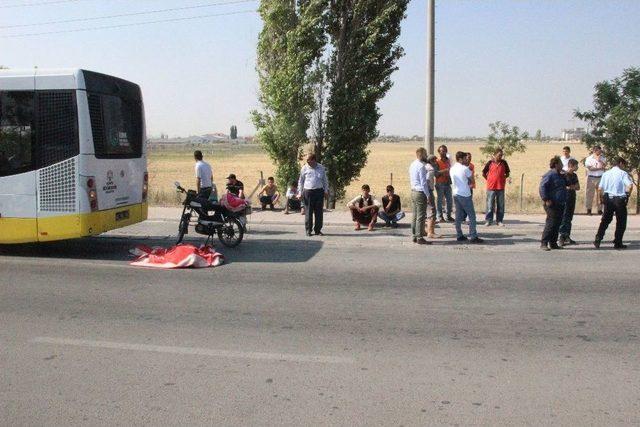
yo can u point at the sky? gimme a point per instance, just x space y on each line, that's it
527 62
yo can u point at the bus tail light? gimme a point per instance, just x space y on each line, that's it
92 193
145 186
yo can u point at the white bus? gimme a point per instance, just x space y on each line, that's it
72 155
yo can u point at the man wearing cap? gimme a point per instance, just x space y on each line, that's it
615 189
314 187
234 186
204 176
595 165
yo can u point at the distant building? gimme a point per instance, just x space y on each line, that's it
574 134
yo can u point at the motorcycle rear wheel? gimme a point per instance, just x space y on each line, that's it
231 233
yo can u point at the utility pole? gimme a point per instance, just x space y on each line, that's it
431 56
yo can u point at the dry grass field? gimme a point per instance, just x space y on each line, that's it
246 161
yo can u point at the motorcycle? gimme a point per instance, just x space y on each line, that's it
213 218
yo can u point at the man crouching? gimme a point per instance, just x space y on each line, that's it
364 209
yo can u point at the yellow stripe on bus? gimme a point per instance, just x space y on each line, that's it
24 230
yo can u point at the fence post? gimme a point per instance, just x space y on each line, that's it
521 190
391 179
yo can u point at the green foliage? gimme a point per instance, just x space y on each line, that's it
233 132
615 119
291 40
538 137
504 136
364 54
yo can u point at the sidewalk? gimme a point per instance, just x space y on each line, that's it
342 218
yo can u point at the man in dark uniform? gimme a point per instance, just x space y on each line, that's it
614 190
553 192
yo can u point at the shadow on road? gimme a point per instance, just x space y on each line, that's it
117 249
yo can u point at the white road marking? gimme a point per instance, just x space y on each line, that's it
195 351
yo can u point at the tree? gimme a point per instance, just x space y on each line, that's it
538 136
364 54
233 133
291 41
504 136
615 120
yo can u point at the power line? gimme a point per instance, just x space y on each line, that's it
105 27
122 15
43 3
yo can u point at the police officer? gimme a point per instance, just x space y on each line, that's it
614 189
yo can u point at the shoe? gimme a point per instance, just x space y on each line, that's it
596 243
620 246
319 233
387 225
308 233
488 223
544 247
562 241
599 212
500 224
571 242
357 227
421 241
440 219
476 240
462 239
555 246
394 225
450 219
286 213
414 240
589 212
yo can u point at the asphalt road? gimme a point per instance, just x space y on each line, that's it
348 329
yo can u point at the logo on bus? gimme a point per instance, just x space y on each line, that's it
110 186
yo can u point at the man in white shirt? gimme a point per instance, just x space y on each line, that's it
595 165
419 195
364 209
314 187
462 179
204 176
566 156
615 190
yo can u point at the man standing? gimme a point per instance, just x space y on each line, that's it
314 187
463 179
566 156
595 165
443 185
553 192
204 176
431 167
496 172
573 185
419 195
615 190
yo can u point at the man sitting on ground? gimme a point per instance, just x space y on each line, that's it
294 200
391 211
269 194
364 209
234 186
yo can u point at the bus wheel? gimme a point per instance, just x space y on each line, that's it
231 233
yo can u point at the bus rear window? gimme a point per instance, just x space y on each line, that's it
116 124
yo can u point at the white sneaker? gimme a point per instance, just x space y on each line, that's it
500 224
487 223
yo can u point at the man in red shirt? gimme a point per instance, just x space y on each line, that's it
443 185
496 172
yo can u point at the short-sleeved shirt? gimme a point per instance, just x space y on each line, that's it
565 162
444 178
431 175
615 181
395 203
205 173
235 188
572 179
291 194
460 175
593 161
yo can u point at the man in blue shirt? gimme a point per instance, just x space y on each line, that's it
553 192
420 196
614 189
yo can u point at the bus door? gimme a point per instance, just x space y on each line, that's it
18 223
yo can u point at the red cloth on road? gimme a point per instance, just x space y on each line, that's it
180 256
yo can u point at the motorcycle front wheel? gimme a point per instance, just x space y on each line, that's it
231 232
183 227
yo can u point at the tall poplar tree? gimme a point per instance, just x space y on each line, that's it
291 41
